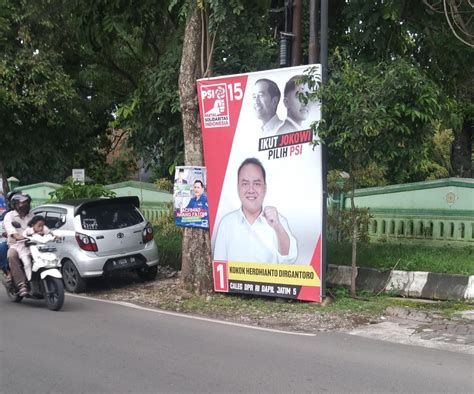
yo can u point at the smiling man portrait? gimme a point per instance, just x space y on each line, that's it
297 110
266 96
254 233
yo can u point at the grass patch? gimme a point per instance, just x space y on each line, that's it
367 304
410 257
168 237
169 249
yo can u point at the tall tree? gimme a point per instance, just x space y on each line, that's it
196 263
42 104
392 29
206 21
378 114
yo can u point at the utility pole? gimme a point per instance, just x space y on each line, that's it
285 36
324 152
313 53
296 38
324 40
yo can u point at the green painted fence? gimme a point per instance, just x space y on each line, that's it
153 201
437 211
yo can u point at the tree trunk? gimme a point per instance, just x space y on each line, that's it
461 153
3 178
196 263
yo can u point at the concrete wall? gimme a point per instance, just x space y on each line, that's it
441 210
148 193
453 194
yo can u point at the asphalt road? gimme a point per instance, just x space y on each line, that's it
97 347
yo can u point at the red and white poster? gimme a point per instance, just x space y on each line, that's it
264 183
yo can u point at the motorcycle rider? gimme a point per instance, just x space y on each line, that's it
3 240
3 250
20 214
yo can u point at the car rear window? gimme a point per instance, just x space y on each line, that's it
109 217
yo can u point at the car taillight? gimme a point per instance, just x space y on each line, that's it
86 243
148 233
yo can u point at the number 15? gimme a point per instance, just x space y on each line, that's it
235 91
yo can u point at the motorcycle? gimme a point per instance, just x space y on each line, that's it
46 279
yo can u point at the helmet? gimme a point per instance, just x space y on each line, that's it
11 194
17 198
9 198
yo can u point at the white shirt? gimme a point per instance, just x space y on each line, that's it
14 216
272 126
239 241
2 238
289 126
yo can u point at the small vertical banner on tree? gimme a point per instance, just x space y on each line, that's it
264 183
190 197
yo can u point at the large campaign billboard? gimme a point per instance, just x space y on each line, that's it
264 182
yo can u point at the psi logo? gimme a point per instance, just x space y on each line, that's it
215 105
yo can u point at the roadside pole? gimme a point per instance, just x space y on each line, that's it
324 76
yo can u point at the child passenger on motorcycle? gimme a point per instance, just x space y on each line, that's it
35 226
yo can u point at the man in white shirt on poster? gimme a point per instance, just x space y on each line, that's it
266 96
254 233
297 110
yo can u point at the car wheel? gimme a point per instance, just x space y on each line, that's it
148 273
72 279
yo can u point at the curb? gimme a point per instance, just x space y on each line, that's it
412 284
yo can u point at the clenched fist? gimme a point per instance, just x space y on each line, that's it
271 214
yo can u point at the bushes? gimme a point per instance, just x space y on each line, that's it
72 189
168 237
405 256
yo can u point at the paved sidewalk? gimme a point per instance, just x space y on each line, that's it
411 327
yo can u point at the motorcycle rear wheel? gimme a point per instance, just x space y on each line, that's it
54 299
12 294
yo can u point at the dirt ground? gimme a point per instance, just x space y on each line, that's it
166 293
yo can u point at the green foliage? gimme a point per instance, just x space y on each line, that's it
43 109
402 29
164 184
376 117
439 166
405 256
168 237
71 69
254 48
341 223
134 48
379 114
72 189
119 169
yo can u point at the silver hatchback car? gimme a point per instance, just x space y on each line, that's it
101 236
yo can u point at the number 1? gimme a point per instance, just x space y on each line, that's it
220 271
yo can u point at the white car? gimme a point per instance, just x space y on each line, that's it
101 236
